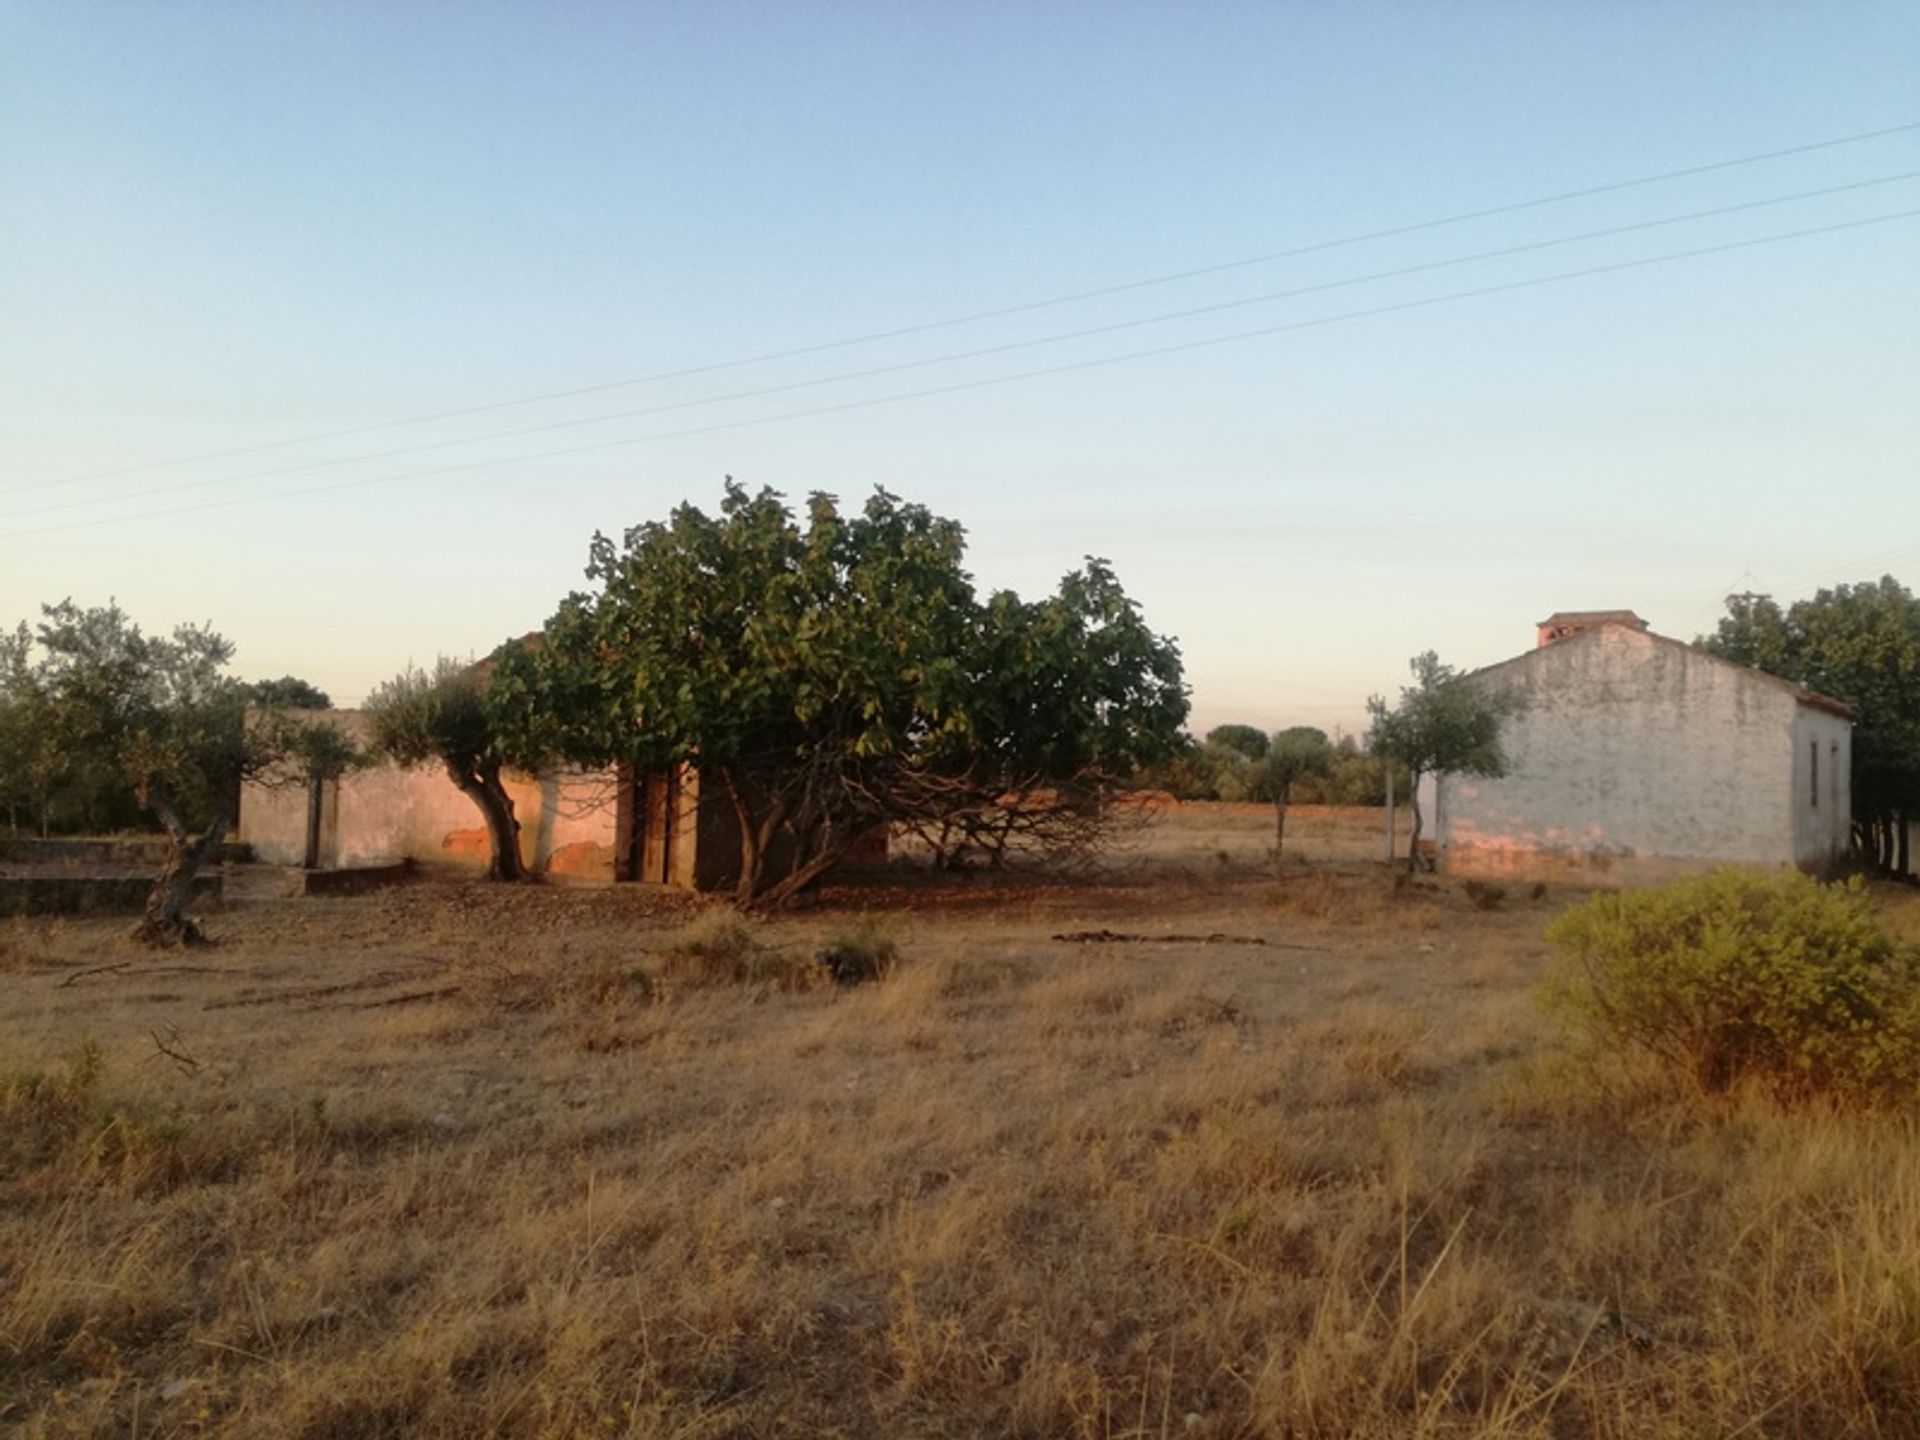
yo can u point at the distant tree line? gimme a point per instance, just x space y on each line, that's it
1231 764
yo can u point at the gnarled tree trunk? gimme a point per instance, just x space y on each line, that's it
481 784
164 921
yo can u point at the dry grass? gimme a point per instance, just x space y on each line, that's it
447 1162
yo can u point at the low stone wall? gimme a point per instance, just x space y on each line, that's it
50 892
128 853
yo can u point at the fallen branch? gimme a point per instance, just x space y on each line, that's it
311 992
145 973
96 970
407 999
174 1051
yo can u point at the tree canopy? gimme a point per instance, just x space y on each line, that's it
158 714
1859 644
1293 754
1248 740
839 673
1445 723
442 717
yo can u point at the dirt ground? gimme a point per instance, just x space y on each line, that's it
1295 1156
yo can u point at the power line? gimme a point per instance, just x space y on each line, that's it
900 332
952 357
958 387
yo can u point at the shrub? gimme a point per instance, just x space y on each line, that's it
1745 974
855 956
720 948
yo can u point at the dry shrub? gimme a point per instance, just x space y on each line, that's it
29 943
1372 1042
1745 975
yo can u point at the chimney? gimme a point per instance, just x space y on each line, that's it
1565 624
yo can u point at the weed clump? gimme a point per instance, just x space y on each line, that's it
858 955
65 1118
718 948
1741 974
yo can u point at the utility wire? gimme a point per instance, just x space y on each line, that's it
952 357
958 387
874 336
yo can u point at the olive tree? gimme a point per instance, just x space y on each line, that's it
1295 754
1445 723
442 717
161 714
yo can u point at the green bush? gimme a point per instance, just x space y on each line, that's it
1744 974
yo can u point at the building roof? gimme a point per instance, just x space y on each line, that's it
1636 626
1594 617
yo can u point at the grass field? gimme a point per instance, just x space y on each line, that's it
460 1161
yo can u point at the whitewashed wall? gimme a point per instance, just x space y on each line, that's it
1634 748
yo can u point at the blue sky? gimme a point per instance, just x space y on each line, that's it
229 225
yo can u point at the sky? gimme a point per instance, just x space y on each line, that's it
227 227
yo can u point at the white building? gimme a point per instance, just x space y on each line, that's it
1637 757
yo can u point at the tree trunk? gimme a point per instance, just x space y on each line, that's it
164 922
752 855
482 786
1903 837
1279 829
803 875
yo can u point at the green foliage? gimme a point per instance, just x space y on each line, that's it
1860 644
450 716
1353 777
289 692
317 750
156 715
1212 771
1741 974
1295 753
1444 724
1247 740
841 673
422 716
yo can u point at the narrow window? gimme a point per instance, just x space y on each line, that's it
1813 755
